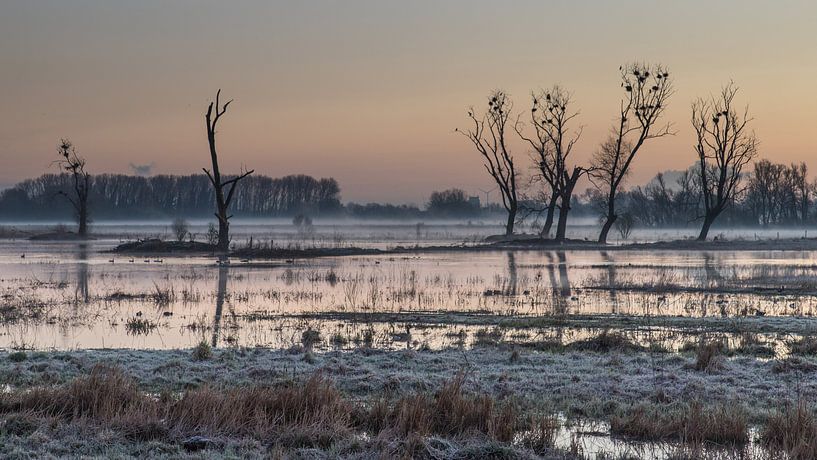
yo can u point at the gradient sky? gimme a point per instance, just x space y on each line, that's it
370 91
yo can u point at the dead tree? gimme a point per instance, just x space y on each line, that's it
552 143
488 135
724 146
74 165
220 186
647 89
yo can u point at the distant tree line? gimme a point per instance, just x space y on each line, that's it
125 196
119 196
771 194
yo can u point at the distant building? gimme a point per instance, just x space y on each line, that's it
474 201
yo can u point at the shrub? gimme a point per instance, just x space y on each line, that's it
180 228
310 337
202 351
212 234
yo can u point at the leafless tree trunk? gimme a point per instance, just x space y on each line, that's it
543 204
75 166
647 90
488 134
222 199
724 146
552 143
551 210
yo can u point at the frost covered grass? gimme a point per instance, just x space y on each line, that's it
370 403
584 383
286 418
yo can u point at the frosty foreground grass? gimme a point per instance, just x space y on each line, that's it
372 403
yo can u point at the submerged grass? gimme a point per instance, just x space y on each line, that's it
691 423
139 326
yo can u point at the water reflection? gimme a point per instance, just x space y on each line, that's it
82 291
564 279
513 279
76 288
611 279
221 294
560 285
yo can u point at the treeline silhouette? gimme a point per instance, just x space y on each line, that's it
774 194
117 196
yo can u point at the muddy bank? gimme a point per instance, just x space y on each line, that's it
157 246
161 247
784 244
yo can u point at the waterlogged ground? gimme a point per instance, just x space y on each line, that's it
66 295
583 334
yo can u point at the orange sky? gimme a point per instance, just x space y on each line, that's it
370 91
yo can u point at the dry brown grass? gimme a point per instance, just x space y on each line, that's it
311 414
692 423
793 431
449 412
540 436
709 357
103 394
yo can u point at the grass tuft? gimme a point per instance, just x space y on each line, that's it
202 351
692 423
606 342
793 430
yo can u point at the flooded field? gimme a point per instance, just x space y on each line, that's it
604 334
65 295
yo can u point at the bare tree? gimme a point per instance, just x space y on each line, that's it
222 200
647 88
180 228
552 143
488 134
724 146
75 166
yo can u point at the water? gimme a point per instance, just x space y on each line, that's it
65 295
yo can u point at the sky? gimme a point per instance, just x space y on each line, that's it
369 92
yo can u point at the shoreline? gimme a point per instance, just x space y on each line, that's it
158 247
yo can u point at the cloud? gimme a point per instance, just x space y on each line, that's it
142 170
